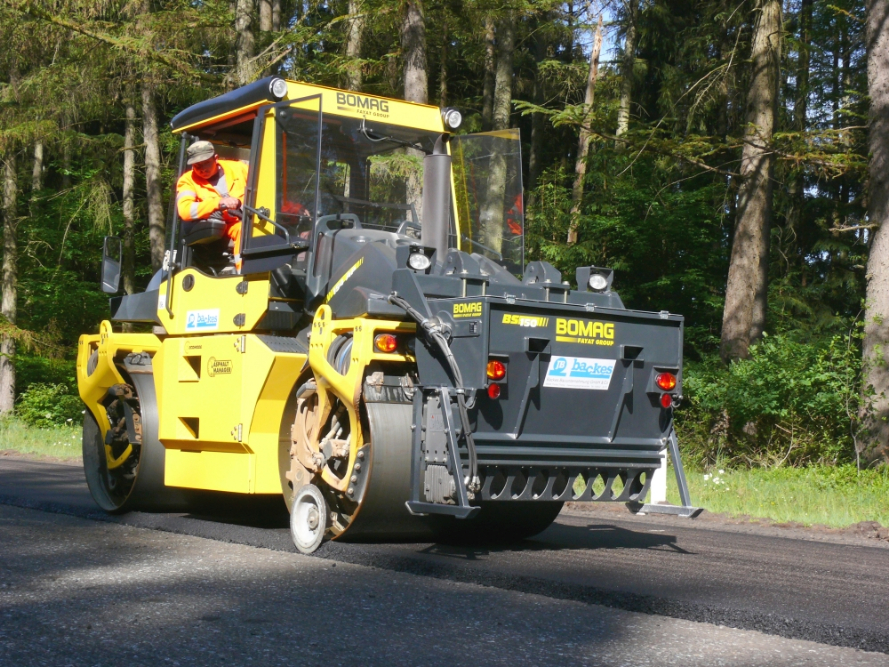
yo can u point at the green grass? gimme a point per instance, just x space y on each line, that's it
833 496
60 441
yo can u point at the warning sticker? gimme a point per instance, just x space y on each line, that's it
202 320
579 373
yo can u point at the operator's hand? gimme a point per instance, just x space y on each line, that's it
229 203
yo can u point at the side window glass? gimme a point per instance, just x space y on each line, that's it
488 195
298 134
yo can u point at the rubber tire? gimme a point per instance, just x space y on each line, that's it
305 538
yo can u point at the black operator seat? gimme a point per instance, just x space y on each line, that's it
201 232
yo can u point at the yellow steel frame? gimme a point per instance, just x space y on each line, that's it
347 388
397 112
94 386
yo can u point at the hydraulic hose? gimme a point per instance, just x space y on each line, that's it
434 333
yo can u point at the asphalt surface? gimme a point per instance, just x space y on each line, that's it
81 592
828 592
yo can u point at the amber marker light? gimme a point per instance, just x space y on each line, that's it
385 342
666 381
496 370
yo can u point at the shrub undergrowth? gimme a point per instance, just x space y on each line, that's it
791 403
47 405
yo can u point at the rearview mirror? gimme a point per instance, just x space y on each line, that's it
112 255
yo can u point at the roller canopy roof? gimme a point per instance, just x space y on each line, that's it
254 93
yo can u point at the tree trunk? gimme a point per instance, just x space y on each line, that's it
875 446
37 173
443 67
583 146
416 87
800 100
128 270
747 288
490 75
496 205
245 47
503 77
9 289
353 45
800 114
276 15
265 15
535 159
628 62
154 191
413 43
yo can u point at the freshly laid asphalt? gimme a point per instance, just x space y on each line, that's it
830 592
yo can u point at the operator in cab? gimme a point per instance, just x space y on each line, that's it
212 189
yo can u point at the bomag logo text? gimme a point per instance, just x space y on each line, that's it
361 102
473 309
584 331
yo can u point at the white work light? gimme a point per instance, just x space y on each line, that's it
452 118
418 261
598 282
278 88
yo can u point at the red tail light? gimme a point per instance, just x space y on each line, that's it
666 381
666 401
494 391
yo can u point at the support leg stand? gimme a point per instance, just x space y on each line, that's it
686 509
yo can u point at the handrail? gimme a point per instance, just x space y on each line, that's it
481 245
264 216
170 259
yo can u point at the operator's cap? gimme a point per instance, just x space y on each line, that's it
200 151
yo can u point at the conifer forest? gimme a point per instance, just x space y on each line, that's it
729 159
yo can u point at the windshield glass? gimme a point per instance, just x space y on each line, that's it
370 169
488 191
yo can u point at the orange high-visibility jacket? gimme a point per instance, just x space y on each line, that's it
198 198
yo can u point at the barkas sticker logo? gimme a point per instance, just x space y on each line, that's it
579 373
202 320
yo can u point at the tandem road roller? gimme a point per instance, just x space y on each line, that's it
375 350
